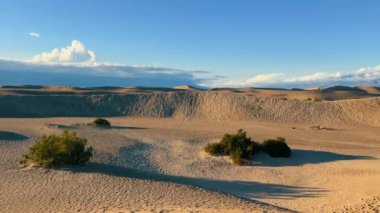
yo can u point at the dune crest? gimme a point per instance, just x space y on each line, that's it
208 105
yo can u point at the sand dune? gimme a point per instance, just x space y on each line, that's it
158 164
152 158
186 87
209 105
369 89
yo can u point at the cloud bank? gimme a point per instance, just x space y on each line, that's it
258 79
363 76
75 65
21 73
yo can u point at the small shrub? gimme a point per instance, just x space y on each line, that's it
52 150
276 147
236 156
214 149
317 100
238 146
102 122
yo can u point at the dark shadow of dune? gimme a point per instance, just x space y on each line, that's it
42 92
119 127
323 128
77 126
12 136
128 127
63 126
256 190
244 189
302 157
23 87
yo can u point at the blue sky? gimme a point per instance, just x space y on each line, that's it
268 40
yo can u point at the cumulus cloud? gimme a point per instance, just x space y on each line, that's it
34 34
75 53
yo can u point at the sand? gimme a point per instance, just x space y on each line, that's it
152 159
247 105
158 164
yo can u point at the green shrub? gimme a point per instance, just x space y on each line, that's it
238 146
52 150
241 148
102 122
276 147
214 149
237 156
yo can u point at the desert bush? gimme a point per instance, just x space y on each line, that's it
276 147
102 122
214 149
237 156
52 150
238 146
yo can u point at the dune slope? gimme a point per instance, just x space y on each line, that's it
193 105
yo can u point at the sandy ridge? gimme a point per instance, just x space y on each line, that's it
194 105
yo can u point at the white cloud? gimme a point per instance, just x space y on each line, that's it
257 79
369 72
76 60
264 78
34 34
362 76
76 65
319 76
75 53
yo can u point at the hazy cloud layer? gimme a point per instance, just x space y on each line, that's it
362 76
76 65
258 79
19 72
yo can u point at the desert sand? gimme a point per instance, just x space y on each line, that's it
152 159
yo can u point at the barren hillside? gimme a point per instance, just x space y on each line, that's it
180 104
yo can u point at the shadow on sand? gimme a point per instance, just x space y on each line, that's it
11 136
244 189
302 157
127 127
77 126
